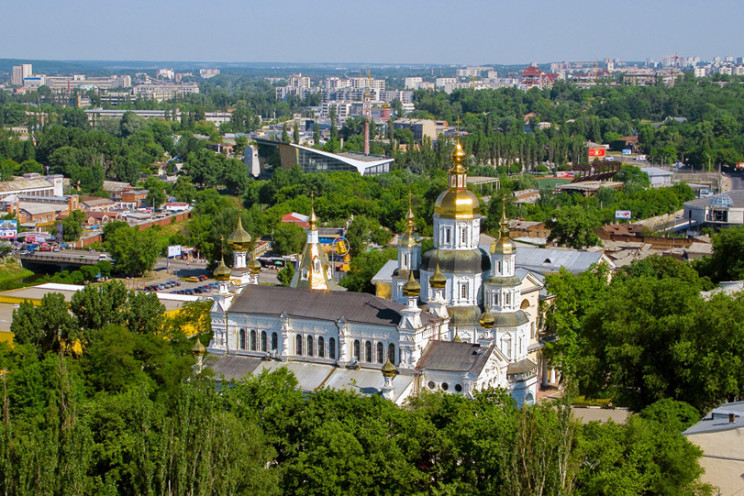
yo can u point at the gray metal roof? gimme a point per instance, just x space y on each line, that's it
656 172
231 366
546 260
361 308
718 419
448 356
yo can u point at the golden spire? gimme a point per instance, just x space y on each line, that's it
410 224
437 280
313 217
456 339
409 238
222 272
411 288
255 265
504 243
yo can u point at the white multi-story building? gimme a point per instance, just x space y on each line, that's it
20 72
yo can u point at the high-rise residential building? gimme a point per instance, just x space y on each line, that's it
20 72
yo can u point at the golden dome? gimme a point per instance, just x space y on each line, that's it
456 339
198 349
255 265
222 272
457 204
458 154
487 321
412 287
437 280
239 240
388 370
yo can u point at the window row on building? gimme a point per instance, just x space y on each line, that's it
308 346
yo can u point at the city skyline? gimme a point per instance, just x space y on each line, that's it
407 32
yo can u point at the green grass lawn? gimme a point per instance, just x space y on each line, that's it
11 274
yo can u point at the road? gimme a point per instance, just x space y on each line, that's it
177 270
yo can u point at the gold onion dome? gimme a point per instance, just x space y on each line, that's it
487 321
255 265
437 280
222 272
411 287
239 240
388 369
457 202
198 349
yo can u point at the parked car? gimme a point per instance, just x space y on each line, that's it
192 279
202 277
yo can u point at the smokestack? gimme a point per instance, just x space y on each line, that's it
366 138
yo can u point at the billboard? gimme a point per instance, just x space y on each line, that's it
8 229
641 158
627 151
622 214
597 152
174 251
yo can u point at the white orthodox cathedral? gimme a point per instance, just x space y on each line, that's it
457 318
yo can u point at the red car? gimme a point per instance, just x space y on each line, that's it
202 277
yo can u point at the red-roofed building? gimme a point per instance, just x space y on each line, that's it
297 219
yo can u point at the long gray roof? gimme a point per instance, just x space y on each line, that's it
546 260
448 356
360 308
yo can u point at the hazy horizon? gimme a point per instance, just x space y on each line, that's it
386 33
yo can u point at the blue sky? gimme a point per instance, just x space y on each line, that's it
402 31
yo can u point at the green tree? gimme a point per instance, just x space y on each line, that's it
574 227
727 261
364 266
296 133
288 238
134 251
49 326
72 225
286 274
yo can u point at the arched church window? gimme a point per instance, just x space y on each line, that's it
380 352
357 350
298 345
263 341
464 235
525 304
241 339
495 298
368 351
310 347
332 348
447 235
316 264
253 340
321 347
463 290
391 353
274 341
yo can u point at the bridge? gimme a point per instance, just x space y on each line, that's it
63 260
